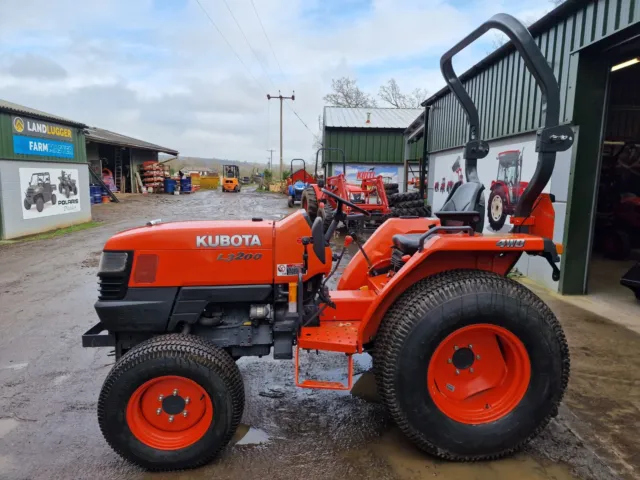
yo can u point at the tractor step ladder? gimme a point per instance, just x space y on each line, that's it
330 336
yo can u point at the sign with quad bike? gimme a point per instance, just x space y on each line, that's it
49 191
505 173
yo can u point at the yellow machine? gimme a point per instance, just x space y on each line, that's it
230 176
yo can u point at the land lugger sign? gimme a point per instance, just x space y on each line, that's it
43 139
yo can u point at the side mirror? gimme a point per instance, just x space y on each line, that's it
318 240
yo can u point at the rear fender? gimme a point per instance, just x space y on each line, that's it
378 248
495 253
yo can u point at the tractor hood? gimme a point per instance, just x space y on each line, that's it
196 235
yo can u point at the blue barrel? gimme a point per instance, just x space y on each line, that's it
185 184
169 185
96 193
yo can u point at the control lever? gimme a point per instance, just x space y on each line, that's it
354 237
305 255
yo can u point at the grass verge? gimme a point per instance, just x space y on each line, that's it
54 233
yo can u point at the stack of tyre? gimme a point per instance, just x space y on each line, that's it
408 204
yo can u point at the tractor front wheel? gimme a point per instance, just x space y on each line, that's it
309 202
471 365
497 212
172 402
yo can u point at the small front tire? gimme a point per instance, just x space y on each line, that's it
39 204
27 204
53 199
142 403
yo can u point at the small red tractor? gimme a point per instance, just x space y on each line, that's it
469 364
507 189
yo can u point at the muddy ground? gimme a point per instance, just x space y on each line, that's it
48 426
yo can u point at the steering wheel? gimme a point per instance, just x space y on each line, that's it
347 203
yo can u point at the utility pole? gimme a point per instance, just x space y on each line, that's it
271 150
282 99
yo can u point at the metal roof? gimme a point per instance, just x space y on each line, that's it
10 107
100 135
347 117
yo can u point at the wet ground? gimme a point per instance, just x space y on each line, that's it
49 384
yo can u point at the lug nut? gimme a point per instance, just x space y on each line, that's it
455 347
457 372
477 357
175 392
449 361
170 418
470 346
160 398
471 370
158 411
187 400
184 414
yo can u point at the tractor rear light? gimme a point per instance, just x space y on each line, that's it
113 262
146 268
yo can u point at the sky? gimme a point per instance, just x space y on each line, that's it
160 70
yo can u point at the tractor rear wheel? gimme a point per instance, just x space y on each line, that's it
497 212
471 365
327 213
172 402
396 198
309 202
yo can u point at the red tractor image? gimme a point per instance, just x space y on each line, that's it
507 189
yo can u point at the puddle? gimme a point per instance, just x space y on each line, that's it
15 366
409 463
246 435
6 425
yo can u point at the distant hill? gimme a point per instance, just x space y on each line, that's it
213 164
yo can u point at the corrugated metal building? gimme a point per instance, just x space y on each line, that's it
582 41
370 138
44 181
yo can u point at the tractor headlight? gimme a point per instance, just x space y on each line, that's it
113 262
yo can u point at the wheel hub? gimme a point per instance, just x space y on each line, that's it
478 373
169 412
463 358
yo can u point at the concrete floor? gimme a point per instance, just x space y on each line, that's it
48 425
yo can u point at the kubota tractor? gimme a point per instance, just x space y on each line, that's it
230 178
297 182
506 189
470 364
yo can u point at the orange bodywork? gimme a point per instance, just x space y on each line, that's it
230 184
212 253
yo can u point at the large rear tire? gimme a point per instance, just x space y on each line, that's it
309 202
144 397
470 365
397 198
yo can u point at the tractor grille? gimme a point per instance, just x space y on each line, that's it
111 287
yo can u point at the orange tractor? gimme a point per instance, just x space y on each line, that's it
506 189
470 364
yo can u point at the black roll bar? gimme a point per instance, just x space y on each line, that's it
304 165
551 138
335 149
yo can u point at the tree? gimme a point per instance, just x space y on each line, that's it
346 93
391 94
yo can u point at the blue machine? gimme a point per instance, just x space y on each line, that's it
299 181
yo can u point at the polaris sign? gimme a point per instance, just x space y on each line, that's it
213 241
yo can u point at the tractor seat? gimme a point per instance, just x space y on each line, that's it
464 206
407 244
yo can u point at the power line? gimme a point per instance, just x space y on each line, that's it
232 49
267 37
264 31
249 43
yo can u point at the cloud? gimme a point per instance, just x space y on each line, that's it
158 70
